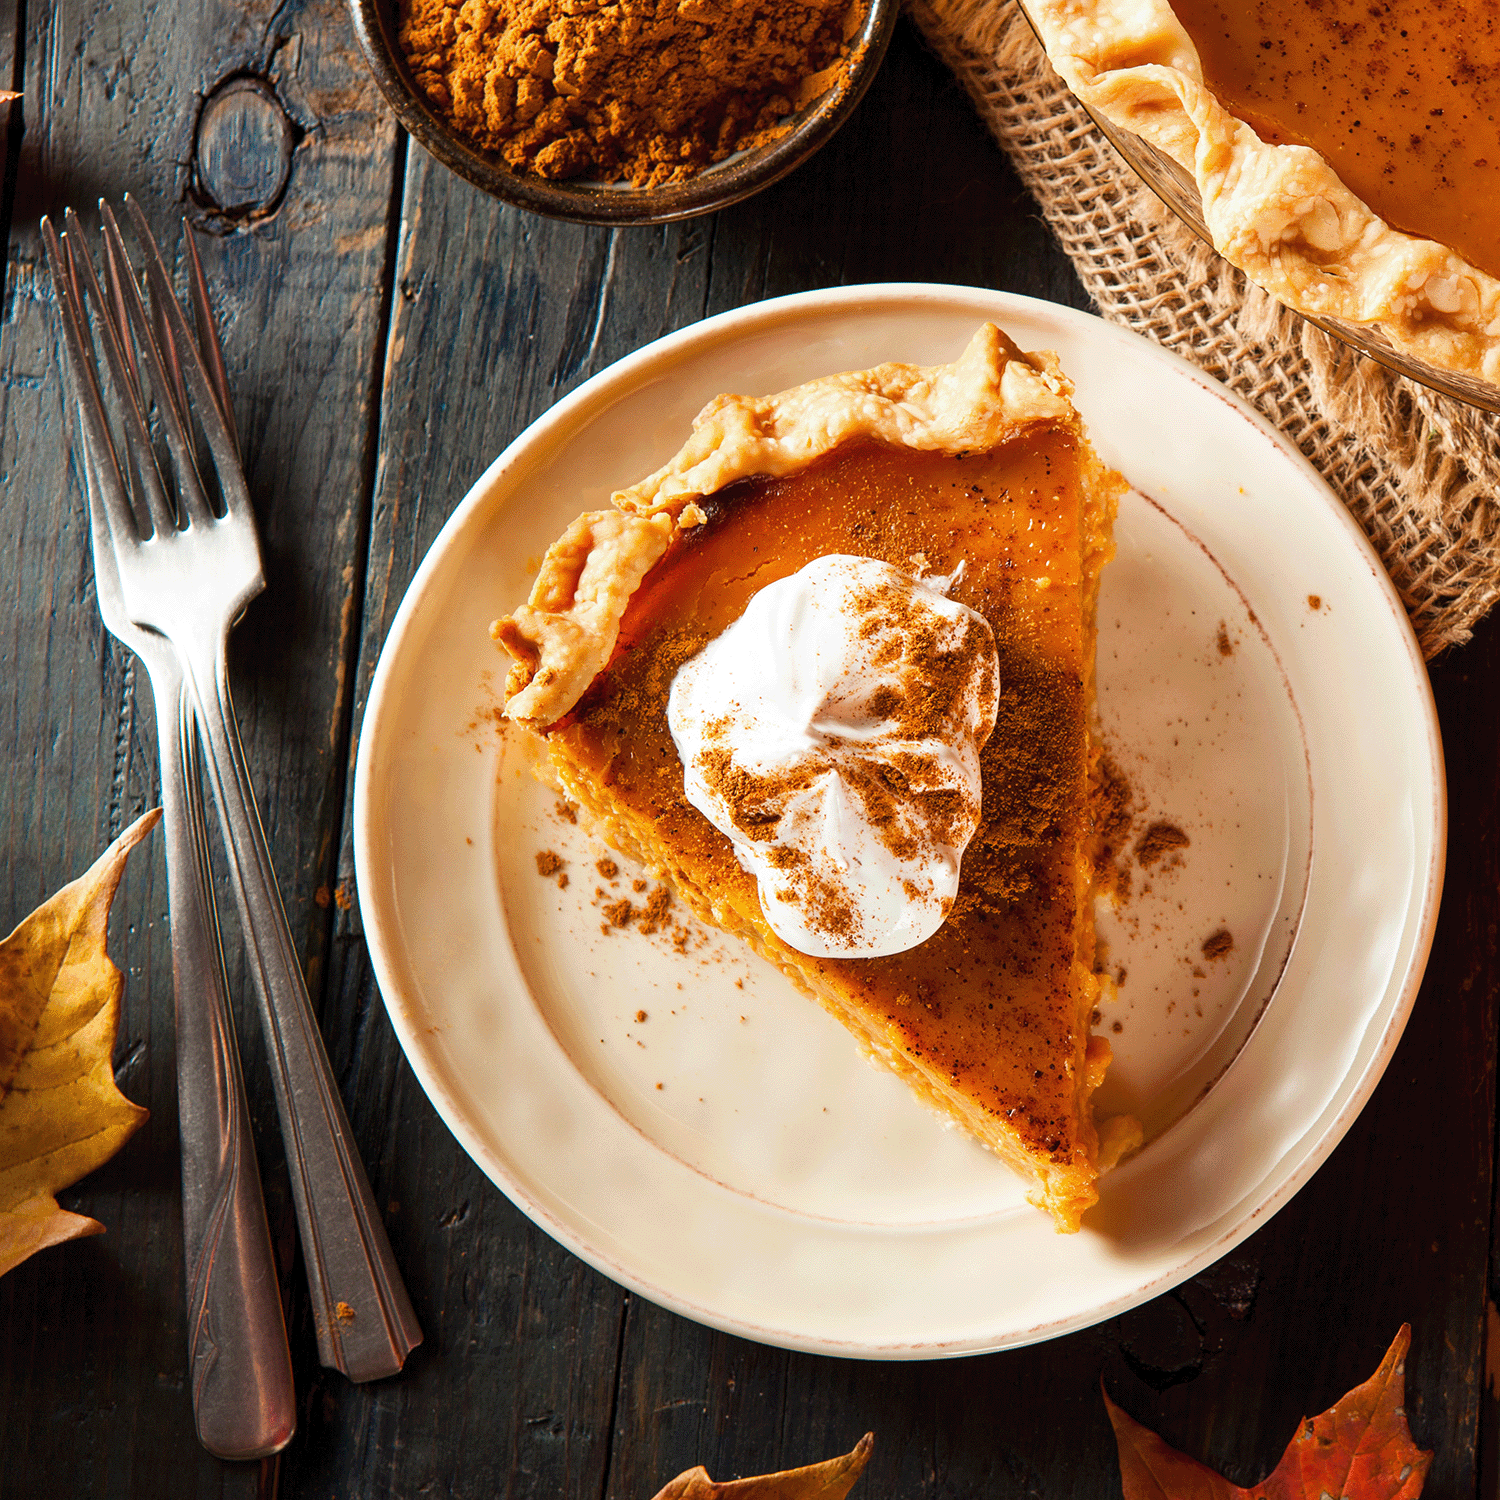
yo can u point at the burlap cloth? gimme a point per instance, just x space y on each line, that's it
1420 471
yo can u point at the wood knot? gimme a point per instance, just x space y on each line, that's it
242 151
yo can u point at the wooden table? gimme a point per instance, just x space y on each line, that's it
388 331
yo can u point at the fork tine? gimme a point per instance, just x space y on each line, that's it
165 343
69 306
121 489
118 266
208 333
221 444
141 472
99 447
137 430
191 493
117 297
120 320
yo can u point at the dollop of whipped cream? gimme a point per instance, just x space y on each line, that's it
833 734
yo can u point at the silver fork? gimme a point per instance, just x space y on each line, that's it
244 1404
187 573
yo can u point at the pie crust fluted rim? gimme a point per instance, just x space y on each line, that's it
1279 213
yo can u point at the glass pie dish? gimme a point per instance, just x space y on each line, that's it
1177 189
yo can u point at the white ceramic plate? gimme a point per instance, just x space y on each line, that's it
730 1156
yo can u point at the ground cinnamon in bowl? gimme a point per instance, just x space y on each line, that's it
648 92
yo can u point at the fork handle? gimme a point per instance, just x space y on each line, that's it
364 1319
244 1404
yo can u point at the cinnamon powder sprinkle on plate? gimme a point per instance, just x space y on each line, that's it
1217 944
1158 842
658 903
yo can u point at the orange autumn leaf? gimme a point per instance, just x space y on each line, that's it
830 1480
1359 1449
60 1112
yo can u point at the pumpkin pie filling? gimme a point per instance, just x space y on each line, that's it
988 1019
1401 98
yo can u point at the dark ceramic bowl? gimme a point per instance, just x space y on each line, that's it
727 182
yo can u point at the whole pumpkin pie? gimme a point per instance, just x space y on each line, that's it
973 486
1347 155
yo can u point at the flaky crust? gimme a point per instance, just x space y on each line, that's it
1279 213
563 637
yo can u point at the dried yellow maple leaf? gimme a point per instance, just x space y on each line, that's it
830 1480
60 1112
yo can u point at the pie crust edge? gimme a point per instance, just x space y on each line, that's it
564 635
1279 213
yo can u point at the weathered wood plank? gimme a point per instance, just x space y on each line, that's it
913 189
92 1391
12 114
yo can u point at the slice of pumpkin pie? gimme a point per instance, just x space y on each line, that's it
829 671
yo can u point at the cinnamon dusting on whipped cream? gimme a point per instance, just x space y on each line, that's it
833 734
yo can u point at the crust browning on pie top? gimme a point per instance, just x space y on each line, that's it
1277 211
988 1020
